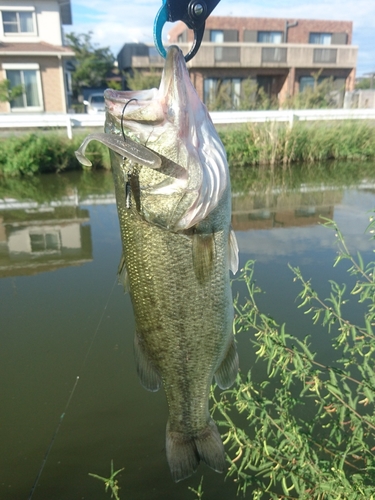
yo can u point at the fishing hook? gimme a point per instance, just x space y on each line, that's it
122 117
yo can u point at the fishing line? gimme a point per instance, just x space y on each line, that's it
70 396
52 440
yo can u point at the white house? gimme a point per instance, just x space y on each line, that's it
32 54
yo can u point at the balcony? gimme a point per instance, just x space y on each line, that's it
267 55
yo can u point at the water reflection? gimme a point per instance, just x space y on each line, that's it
44 235
283 208
38 238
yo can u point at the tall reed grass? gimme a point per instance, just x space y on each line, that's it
278 143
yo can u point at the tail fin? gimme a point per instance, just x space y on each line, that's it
185 452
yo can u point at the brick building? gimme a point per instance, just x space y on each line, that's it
279 55
33 55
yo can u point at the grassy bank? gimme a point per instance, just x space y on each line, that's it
248 145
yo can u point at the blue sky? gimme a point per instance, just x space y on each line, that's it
115 23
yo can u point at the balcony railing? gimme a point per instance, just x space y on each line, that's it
255 55
325 55
274 54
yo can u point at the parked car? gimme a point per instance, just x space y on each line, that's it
95 104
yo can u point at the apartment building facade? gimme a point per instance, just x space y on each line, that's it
33 55
279 55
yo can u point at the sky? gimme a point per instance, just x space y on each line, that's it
121 21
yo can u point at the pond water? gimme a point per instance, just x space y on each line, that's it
63 316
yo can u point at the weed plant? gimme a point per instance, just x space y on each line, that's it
309 428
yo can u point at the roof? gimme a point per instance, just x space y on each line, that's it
35 49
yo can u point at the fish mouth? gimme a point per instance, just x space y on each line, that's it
173 122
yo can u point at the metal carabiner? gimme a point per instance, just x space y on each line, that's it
192 12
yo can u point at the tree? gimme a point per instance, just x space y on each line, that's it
139 80
366 83
8 93
92 63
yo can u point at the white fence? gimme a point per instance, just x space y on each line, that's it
70 121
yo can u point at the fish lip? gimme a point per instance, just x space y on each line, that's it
121 96
174 65
174 73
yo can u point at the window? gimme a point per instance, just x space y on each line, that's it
217 36
45 242
310 82
68 82
18 22
267 83
320 38
270 36
222 93
28 77
227 54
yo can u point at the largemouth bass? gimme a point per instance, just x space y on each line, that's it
173 199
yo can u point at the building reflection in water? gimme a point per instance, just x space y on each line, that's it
39 238
280 209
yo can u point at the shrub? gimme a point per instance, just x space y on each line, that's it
37 153
326 451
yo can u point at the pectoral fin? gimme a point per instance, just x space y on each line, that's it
148 376
233 252
203 255
227 371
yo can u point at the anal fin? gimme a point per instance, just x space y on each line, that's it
227 372
203 255
148 376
